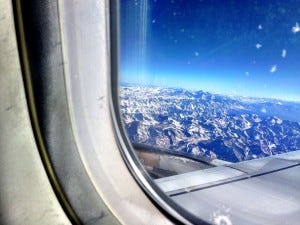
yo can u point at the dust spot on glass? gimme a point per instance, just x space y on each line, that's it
283 53
222 218
260 27
296 28
258 45
273 69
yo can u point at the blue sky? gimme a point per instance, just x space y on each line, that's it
249 48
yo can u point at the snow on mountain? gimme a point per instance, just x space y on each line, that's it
203 124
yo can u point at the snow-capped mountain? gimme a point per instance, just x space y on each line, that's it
204 124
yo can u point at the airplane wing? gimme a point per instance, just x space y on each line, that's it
261 191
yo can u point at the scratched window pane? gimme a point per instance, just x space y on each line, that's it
210 81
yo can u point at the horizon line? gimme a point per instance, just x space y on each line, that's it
122 83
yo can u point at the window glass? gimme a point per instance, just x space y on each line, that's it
210 101
210 81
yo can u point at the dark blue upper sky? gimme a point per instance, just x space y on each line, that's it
236 47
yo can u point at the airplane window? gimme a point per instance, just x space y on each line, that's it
209 95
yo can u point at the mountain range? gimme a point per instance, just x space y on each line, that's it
203 124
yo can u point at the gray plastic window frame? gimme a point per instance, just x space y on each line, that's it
89 32
65 54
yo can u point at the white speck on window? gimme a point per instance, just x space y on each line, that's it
153 21
258 46
196 151
196 53
273 69
222 220
182 30
219 218
283 53
260 27
263 110
296 28
271 146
